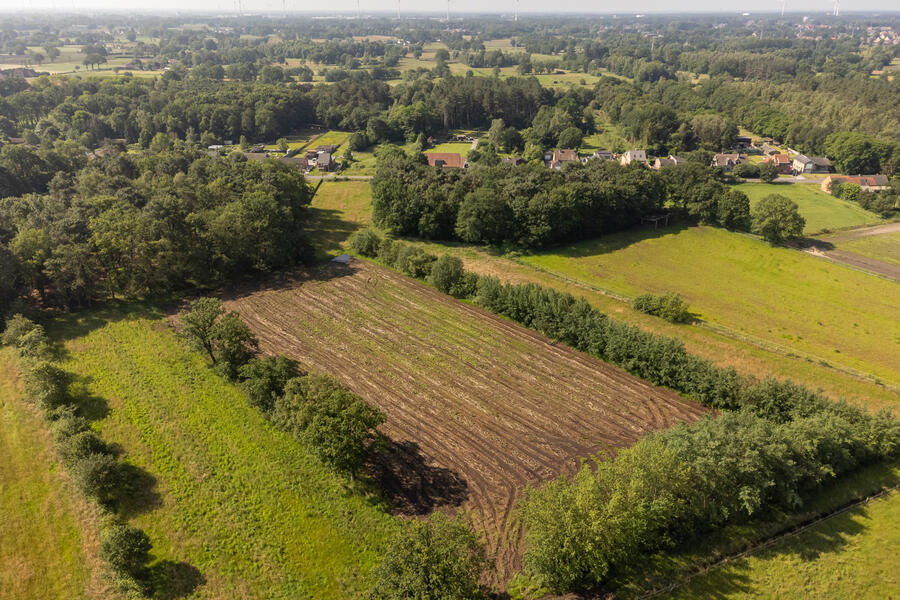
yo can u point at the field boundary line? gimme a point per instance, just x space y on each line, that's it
731 333
791 532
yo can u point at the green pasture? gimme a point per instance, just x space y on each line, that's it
823 212
776 295
242 503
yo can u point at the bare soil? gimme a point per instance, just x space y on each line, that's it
477 407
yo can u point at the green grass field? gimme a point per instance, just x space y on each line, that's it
461 148
237 500
884 247
854 555
338 209
777 295
823 212
46 532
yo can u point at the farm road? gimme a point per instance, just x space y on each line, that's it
824 247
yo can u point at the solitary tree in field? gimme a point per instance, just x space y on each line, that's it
199 324
776 218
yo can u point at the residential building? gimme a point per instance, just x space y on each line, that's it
325 162
561 157
782 163
633 156
729 161
871 183
659 163
814 164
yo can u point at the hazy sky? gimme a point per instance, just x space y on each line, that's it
492 6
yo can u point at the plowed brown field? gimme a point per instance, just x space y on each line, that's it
477 406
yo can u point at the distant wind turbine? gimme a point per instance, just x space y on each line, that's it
837 7
517 10
783 3
398 10
357 9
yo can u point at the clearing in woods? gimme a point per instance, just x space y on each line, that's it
477 406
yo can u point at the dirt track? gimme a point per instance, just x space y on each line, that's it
477 406
824 248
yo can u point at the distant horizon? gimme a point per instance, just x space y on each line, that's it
458 8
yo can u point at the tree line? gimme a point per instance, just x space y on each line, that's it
131 224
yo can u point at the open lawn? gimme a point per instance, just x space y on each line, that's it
243 504
780 296
823 212
338 138
339 208
48 535
854 555
352 209
477 406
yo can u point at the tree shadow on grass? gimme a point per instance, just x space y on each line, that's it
412 485
611 242
330 229
138 493
171 580
65 326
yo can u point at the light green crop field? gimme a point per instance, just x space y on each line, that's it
777 295
351 209
822 211
45 529
461 148
339 138
242 503
854 555
884 247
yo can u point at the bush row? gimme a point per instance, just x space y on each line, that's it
777 442
92 463
669 306
336 425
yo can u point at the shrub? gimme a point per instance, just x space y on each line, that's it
337 425
447 274
358 141
26 336
388 250
46 384
125 548
264 379
669 306
98 476
438 558
414 261
365 242
746 171
80 445
235 344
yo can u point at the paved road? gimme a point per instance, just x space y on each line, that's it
330 177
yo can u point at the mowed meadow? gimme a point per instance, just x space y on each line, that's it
239 508
823 212
775 295
48 533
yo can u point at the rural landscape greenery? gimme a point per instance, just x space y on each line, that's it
480 306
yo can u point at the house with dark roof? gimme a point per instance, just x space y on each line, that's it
325 162
870 183
813 164
514 161
602 155
445 160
